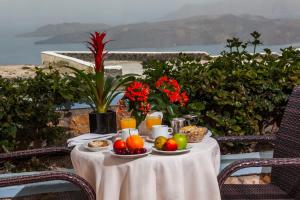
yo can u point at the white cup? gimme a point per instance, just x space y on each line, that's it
125 133
161 130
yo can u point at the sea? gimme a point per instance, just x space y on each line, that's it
23 50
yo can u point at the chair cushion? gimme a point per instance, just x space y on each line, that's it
269 191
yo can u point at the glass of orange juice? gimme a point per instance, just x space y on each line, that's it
128 122
153 120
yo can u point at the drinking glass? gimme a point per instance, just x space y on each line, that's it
128 122
152 120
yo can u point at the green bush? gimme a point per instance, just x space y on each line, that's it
28 116
236 93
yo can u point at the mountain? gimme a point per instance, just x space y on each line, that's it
51 30
266 8
192 31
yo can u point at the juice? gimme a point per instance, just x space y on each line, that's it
152 120
128 123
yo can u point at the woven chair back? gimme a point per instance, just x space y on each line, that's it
287 145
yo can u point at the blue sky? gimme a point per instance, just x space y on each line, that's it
28 14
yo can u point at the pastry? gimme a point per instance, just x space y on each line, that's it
98 143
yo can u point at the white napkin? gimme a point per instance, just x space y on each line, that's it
86 137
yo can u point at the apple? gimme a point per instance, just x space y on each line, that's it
119 145
181 140
170 145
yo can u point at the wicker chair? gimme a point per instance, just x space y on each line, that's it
285 175
86 191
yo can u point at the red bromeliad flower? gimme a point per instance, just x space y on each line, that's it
137 91
97 45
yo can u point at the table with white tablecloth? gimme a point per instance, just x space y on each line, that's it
155 177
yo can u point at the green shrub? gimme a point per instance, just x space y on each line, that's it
28 107
237 93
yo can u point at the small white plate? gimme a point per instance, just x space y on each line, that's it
149 150
177 152
95 149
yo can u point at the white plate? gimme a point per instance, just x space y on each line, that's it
149 139
149 150
95 149
177 152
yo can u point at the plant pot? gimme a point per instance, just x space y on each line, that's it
103 123
93 122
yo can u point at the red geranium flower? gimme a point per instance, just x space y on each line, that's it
184 98
137 91
172 89
145 107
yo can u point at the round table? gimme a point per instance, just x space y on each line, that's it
155 177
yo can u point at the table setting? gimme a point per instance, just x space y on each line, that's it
143 151
151 162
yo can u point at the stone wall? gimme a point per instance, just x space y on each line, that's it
137 56
58 59
76 121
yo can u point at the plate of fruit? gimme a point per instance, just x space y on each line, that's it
133 147
178 144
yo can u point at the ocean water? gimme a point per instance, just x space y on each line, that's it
20 50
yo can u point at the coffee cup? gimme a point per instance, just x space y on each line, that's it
125 133
161 130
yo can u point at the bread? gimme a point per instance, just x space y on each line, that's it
194 133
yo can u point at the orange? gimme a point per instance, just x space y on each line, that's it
135 142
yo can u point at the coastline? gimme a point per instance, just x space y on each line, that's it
17 71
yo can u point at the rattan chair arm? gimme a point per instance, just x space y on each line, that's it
247 138
237 165
34 152
49 176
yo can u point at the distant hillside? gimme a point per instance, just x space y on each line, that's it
265 8
65 28
192 31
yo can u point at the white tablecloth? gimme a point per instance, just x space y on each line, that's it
154 177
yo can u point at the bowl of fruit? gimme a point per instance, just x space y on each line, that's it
178 144
133 147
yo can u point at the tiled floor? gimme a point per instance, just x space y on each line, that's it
251 179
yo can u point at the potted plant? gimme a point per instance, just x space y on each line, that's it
102 90
166 96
